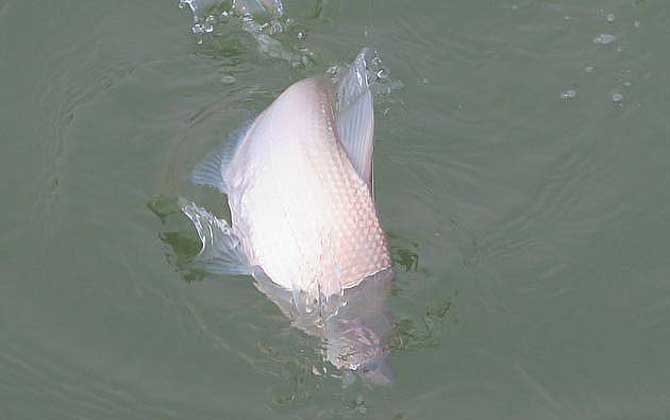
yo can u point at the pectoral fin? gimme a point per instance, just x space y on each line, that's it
354 116
222 251
210 170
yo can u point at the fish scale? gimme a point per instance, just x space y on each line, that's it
300 193
346 214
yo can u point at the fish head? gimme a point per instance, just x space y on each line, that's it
362 350
357 336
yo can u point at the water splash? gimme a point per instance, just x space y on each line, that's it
377 73
264 20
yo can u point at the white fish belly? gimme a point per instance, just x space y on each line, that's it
303 213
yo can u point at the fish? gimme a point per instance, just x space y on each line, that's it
303 219
299 183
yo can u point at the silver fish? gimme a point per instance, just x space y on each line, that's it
299 184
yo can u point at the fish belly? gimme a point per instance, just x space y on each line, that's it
304 214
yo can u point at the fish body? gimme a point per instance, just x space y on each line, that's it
304 224
304 214
299 187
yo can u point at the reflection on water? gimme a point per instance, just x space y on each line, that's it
355 327
183 247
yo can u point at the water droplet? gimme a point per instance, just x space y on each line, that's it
198 28
568 94
301 35
275 27
209 24
611 18
617 98
228 79
604 39
589 69
184 3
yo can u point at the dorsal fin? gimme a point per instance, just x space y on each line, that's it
354 116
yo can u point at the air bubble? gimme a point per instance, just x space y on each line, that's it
568 94
382 74
604 39
611 18
301 35
636 23
228 79
617 98
224 17
589 69
198 28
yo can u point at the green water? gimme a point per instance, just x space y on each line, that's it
530 231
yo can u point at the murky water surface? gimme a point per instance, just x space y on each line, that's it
522 170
